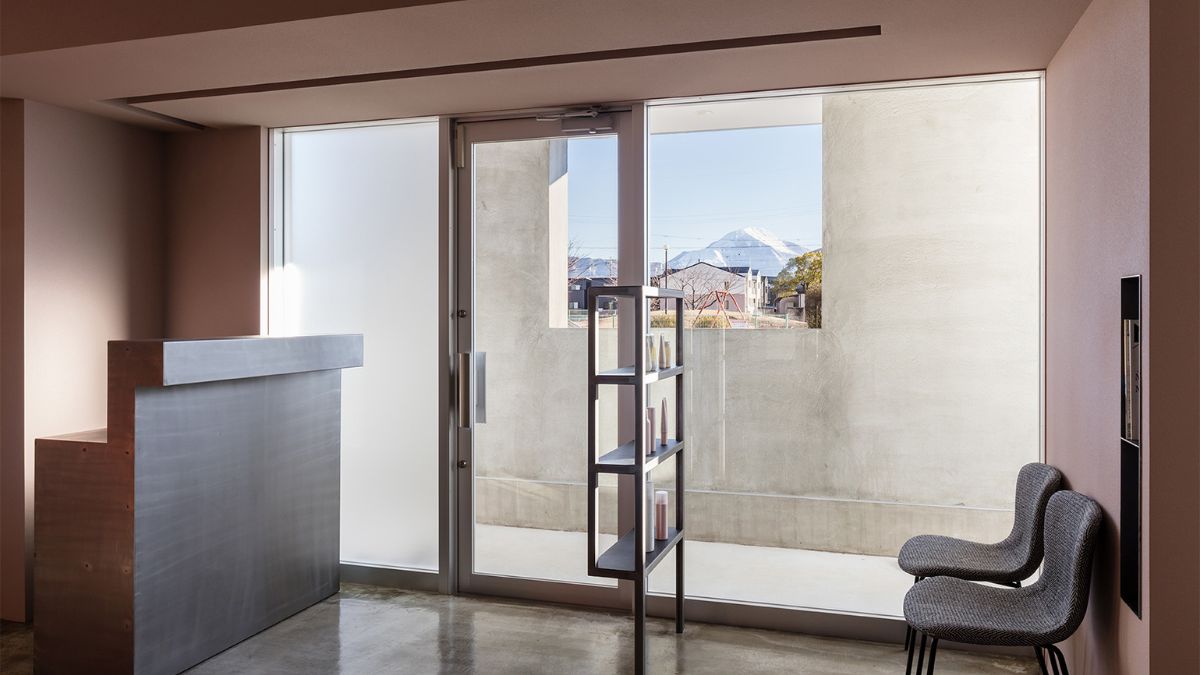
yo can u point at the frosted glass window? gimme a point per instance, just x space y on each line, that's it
359 252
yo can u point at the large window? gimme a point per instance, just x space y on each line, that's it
863 328
356 251
814 454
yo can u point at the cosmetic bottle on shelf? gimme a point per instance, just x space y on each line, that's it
651 524
662 440
660 515
649 437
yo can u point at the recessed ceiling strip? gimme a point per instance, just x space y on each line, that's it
527 62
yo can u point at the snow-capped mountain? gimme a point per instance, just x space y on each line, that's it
593 268
748 247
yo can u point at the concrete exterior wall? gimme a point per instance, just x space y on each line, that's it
910 411
931 291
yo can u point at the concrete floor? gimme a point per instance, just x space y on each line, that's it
366 629
763 575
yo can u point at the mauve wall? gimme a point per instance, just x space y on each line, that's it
1121 107
92 226
35 25
1174 363
1097 230
216 202
13 582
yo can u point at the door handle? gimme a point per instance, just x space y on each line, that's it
480 387
463 379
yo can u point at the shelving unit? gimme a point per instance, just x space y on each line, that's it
629 558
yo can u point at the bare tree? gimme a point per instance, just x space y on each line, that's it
573 259
698 283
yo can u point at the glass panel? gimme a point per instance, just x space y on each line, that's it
735 210
360 256
903 402
544 230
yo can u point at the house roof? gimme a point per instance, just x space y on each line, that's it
732 270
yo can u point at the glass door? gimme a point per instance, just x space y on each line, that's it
538 207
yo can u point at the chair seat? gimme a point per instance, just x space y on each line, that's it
962 611
930 555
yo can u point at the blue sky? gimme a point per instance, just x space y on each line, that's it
702 185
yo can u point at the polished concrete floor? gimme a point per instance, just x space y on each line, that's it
365 629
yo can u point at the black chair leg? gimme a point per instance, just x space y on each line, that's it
921 656
932 655
1041 660
911 648
909 636
1057 660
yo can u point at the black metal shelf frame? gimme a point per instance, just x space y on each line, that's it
629 558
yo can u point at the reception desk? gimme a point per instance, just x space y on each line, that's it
204 513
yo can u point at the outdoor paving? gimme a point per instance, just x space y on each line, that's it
862 584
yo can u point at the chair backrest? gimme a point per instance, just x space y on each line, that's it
1035 484
1072 528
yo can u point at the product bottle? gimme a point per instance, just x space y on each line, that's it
660 515
650 522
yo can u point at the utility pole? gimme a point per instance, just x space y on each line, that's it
665 268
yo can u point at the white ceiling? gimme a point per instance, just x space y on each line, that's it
920 38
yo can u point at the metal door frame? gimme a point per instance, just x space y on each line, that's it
629 128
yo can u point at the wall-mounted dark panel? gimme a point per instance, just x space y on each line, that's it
1130 445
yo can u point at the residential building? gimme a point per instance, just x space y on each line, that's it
708 286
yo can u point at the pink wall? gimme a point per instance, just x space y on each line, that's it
1097 230
13 580
1122 108
216 197
33 25
1174 308
92 258
109 232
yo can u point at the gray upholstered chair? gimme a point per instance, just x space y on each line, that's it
1008 562
1038 616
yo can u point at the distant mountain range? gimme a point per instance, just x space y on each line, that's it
751 247
593 268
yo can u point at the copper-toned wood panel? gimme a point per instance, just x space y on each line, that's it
83 550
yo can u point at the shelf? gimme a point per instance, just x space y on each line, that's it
624 458
618 561
628 375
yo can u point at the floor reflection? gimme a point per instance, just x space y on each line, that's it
366 629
